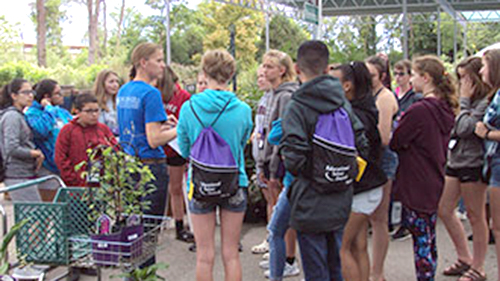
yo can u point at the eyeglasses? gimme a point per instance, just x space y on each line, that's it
400 73
27 92
90 111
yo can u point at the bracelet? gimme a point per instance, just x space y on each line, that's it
486 135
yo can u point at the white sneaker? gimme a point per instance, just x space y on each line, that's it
290 270
264 264
265 256
262 248
460 215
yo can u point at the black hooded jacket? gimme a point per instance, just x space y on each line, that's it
373 177
312 212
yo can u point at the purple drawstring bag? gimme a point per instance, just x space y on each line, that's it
214 172
334 152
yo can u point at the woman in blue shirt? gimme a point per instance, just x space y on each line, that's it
144 126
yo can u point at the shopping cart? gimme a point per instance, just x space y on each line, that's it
62 233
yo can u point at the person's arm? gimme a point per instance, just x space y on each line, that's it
486 133
62 158
41 124
156 132
275 159
408 129
468 117
12 139
385 105
182 131
295 146
157 135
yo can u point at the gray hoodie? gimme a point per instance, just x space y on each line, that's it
16 144
278 102
466 150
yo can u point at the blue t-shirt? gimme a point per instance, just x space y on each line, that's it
137 104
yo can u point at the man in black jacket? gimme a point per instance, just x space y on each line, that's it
318 218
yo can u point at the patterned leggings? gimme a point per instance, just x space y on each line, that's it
423 231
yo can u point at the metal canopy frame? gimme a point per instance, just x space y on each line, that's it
461 11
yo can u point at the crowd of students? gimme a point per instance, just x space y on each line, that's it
425 145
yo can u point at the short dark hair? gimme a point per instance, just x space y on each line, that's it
312 57
82 99
46 86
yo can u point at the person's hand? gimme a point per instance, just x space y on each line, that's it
274 184
263 178
481 130
466 87
44 102
172 120
39 158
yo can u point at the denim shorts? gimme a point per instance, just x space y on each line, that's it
495 171
389 163
236 203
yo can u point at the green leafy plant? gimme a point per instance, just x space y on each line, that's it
4 266
123 182
144 274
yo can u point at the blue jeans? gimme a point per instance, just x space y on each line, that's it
320 255
158 198
277 227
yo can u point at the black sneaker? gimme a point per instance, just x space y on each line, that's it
402 234
185 236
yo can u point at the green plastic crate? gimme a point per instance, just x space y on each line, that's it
44 240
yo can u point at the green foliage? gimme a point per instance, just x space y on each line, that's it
284 35
218 19
11 46
21 69
144 274
55 14
4 267
123 180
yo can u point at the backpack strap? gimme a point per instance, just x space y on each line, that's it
220 113
196 115
216 118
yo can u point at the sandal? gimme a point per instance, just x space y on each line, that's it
456 269
472 275
262 248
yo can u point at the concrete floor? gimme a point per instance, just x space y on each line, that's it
399 263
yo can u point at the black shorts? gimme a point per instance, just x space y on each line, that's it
176 161
466 174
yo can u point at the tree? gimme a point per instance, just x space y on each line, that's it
120 23
218 19
284 35
47 15
41 33
93 12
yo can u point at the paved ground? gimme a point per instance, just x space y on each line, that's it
399 264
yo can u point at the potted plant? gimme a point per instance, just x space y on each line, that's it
147 273
123 182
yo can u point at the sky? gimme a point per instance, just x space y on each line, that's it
75 27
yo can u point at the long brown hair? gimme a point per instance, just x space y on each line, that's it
492 57
445 88
99 89
167 84
472 65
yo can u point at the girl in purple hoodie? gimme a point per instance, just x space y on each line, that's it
421 141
